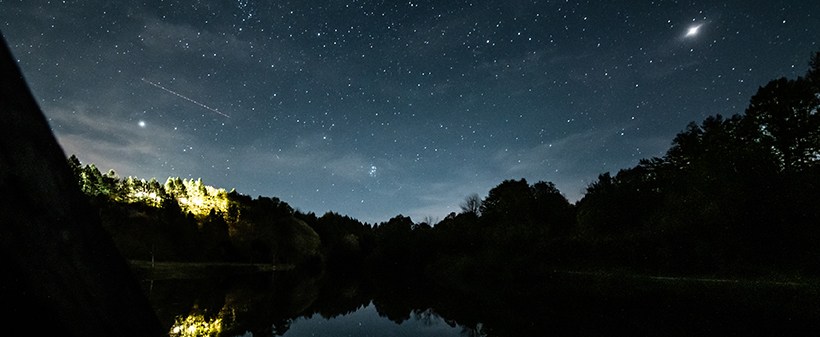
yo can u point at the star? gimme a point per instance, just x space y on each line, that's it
501 93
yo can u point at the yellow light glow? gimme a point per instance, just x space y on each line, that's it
195 325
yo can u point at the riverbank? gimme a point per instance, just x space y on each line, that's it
149 270
740 281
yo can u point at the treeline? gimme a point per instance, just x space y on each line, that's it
732 196
736 196
188 221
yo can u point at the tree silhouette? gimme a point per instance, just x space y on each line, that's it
618 206
509 200
813 75
732 194
551 209
783 116
471 204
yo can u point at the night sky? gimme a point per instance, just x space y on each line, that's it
379 108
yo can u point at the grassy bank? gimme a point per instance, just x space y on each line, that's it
183 270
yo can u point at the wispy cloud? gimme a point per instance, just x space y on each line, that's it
164 37
574 161
113 142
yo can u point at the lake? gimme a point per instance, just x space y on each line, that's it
367 322
296 303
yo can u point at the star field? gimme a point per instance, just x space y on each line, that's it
379 108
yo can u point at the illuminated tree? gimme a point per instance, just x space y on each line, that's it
155 189
76 168
91 179
176 188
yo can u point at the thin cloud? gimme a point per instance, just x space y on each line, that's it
114 142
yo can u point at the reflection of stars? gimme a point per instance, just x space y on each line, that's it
141 124
692 31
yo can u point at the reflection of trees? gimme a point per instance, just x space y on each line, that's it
559 304
733 195
230 307
268 307
472 331
428 317
264 304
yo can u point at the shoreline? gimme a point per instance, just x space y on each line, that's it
195 270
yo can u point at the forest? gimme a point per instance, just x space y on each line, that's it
733 197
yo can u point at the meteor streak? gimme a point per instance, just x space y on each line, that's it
190 100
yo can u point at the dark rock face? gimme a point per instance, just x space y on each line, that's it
61 274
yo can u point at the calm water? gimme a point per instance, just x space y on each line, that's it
367 322
293 304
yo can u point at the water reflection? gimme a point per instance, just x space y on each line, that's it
367 322
297 303
196 325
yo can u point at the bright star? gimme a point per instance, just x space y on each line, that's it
692 31
142 124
